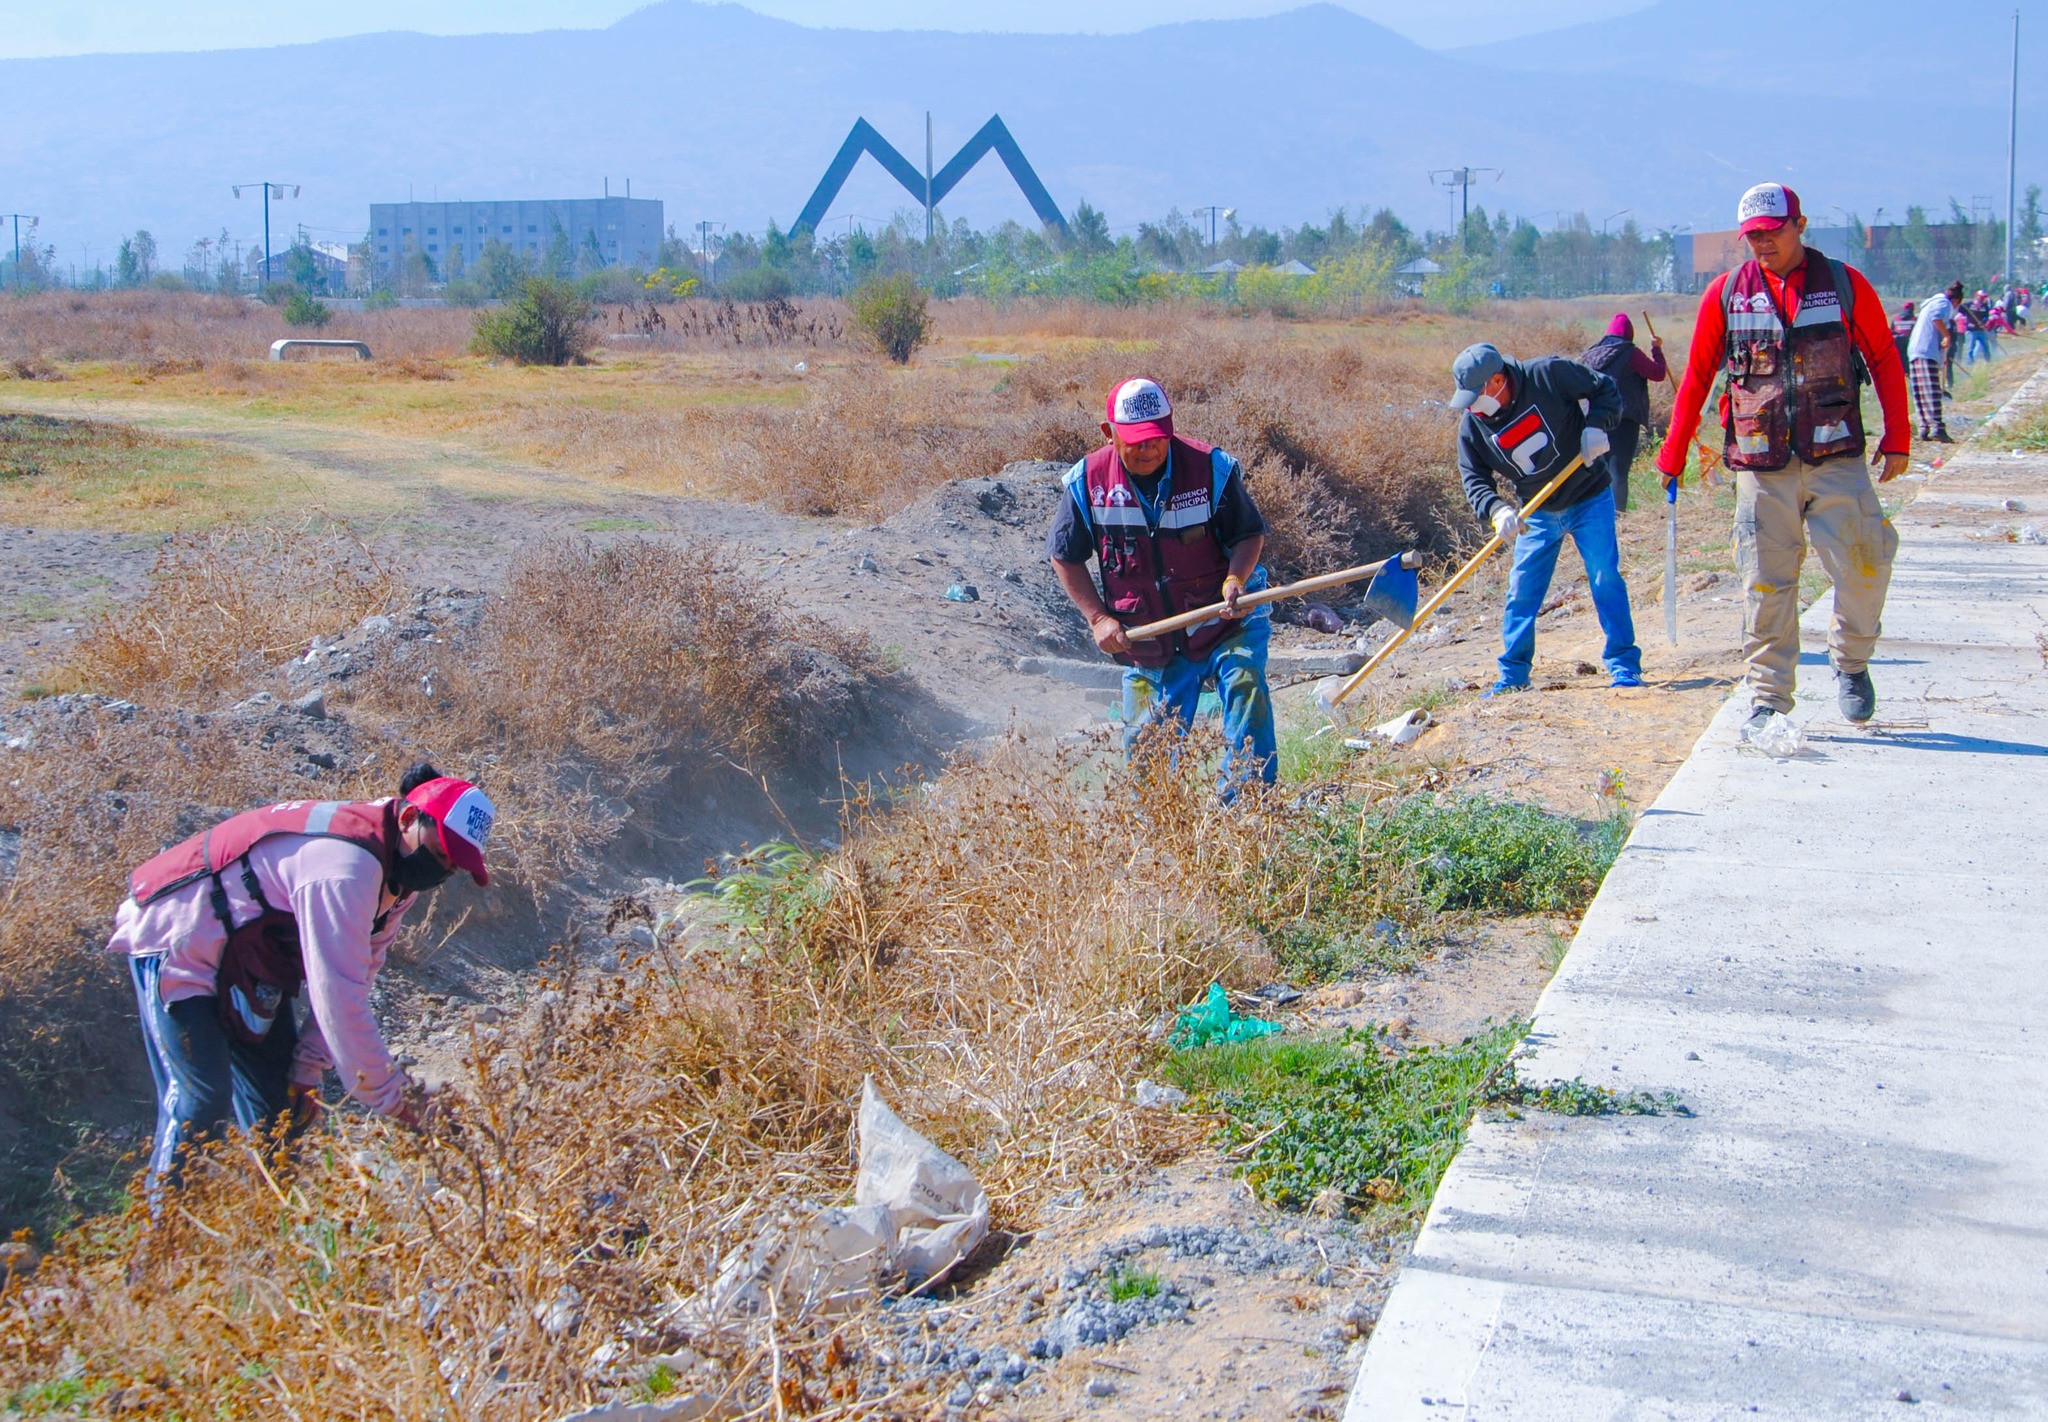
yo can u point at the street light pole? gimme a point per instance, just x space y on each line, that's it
2012 142
267 187
18 217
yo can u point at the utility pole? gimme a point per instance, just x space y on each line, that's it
1461 179
2012 144
1228 213
32 221
927 180
704 248
267 193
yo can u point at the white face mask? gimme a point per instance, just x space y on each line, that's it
1484 405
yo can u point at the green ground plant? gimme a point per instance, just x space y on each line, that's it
1124 1285
1345 1112
1497 856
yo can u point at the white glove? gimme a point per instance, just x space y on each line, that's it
1507 524
1592 443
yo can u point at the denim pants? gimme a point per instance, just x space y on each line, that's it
205 1080
1980 345
1237 665
1590 525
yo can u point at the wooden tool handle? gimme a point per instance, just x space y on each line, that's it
1710 459
1260 599
1457 580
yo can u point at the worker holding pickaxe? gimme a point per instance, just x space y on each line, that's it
1531 423
1175 534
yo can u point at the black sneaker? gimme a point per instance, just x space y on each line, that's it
1858 698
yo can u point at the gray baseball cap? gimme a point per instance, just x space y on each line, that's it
1474 366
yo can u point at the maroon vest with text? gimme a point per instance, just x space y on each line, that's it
260 966
1792 388
1150 573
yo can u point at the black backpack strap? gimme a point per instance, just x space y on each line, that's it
1845 292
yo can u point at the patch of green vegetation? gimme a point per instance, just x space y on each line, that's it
1579 1097
1370 880
1497 856
1312 755
659 1383
57 1395
618 525
1125 1285
1305 1115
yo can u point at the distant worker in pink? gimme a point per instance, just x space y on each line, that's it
1616 356
223 930
1796 333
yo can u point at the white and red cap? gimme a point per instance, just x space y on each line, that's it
1767 207
462 816
1140 411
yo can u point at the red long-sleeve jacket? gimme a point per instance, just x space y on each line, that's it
1870 330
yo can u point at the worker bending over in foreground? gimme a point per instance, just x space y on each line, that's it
222 930
1173 528
1793 330
1524 421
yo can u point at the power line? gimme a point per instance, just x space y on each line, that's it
1461 179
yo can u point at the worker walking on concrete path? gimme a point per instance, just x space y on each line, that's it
1173 529
221 932
1524 421
1793 329
1933 330
1616 356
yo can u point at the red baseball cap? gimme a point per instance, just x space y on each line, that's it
1140 411
462 816
1767 207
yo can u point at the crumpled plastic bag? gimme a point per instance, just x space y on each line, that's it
1775 735
1404 729
1213 1021
694 1408
917 1212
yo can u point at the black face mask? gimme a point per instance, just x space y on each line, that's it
418 872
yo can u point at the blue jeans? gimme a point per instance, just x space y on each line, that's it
205 1080
1237 665
1980 344
1591 526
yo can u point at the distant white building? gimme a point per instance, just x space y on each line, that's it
626 231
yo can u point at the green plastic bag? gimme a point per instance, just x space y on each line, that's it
1213 1021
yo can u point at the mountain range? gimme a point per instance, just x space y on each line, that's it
730 116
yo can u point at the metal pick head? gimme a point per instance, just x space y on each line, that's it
1393 593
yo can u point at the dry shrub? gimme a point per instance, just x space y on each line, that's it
225 604
995 956
599 670
185 326
866 443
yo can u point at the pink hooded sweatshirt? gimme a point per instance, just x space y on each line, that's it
333 888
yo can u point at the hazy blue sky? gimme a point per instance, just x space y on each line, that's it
31 28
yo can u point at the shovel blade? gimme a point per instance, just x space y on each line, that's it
1393 594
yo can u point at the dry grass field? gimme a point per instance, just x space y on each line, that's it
684 599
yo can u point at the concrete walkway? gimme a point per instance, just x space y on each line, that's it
1840 963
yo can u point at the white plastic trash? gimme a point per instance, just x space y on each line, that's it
1402 730
1775 735
1152 1094
916 1213
1326 691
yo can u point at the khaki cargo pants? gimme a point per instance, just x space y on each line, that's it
1836 502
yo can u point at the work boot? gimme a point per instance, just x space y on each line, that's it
1857 697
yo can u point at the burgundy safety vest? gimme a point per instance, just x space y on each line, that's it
1790 390
260 966
1153 573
